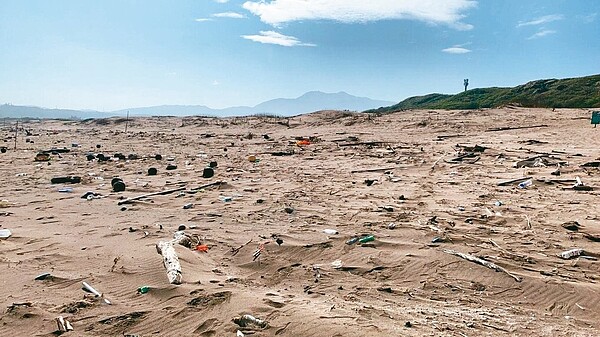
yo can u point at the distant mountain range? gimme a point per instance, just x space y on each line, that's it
309 102
579 92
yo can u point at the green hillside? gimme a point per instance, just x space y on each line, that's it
580 92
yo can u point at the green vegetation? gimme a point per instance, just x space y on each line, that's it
580 92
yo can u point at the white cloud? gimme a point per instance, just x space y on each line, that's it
222 1
203 20
447 12
590 18
456 50
231 15
215 82
541 20
541 33
271 37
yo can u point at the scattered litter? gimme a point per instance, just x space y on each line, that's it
63 324
117 184
90 289
246 320
143 289
525 184
5 233
208 172
330 231
571 253
337 264
66 190
67 179
202 248
43 276
366 239
352 241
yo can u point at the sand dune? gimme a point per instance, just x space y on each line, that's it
430 195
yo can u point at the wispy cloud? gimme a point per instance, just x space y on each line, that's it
590 17
230 15
541 20
203 19
222 1
541 33
456 50
271 37
447 12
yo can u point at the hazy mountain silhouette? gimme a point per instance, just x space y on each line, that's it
309 102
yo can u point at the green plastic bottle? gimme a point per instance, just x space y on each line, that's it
143 289
366 239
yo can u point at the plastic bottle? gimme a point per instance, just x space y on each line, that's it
366 239
526 183
143 289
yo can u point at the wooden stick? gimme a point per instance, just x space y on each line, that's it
216 183
433 166
484 263
516 128
234 251
129 200
373 170
361 143
508 182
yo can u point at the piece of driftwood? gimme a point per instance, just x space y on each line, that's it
214 183
437 161
63 324
373 170
360 143
129 200
512 181
170 259
234 251
516 128
484 263
443 137
571 253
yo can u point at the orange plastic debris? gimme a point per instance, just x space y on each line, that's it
202 248
303 142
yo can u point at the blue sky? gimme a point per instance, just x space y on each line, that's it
113 54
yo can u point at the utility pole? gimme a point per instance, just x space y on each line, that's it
126 121
466 83
16 134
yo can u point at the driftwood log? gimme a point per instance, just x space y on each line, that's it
482 262
170 259
129 200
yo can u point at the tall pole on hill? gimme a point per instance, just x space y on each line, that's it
126 121
466 83
16 134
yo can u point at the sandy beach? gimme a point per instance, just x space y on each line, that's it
414 180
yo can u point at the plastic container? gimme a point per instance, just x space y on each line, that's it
143 289
5 233
366 239
526 183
